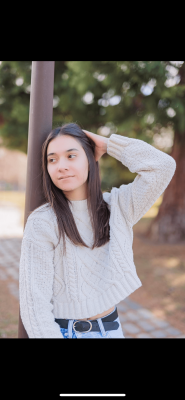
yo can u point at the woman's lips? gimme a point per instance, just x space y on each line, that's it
66 178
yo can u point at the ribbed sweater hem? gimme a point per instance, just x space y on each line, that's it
90 307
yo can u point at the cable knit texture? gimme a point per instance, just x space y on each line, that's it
87 282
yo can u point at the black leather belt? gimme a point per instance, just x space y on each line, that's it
87 326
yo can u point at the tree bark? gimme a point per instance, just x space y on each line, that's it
169 224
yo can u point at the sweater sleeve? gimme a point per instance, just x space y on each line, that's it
155 170
36 274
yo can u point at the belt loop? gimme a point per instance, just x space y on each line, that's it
70 325
102 329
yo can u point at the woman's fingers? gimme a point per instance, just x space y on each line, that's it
100 144
89 133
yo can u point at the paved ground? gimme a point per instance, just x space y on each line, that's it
137 322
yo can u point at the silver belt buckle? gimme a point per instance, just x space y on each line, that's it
82 331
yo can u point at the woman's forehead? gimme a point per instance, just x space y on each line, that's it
63 143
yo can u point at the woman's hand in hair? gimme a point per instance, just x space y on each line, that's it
100 144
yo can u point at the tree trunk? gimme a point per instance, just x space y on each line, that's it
169 224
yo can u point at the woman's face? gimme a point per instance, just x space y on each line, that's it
64 162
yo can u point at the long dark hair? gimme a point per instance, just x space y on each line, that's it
98 209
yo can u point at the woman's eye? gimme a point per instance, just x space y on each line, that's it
69 156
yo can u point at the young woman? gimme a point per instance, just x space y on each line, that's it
76 257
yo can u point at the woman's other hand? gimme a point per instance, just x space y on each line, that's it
100 144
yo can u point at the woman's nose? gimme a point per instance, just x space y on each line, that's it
62 164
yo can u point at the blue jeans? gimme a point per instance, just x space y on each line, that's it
70 333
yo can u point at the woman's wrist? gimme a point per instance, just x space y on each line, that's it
106 143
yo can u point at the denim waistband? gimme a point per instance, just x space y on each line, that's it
99 320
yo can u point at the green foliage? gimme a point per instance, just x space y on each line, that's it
131 98
14 103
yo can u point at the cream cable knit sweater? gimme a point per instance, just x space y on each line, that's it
87 282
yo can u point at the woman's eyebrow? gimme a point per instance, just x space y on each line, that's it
66 152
